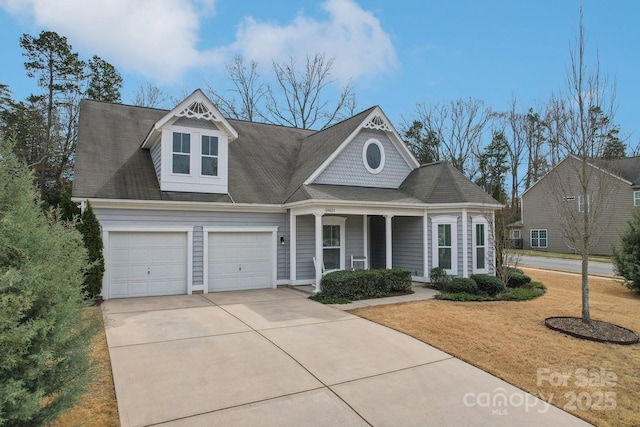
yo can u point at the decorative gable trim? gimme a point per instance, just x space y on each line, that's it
376 120
196 106
378 123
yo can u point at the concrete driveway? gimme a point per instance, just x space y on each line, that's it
275 358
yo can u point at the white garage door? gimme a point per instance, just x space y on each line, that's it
240 261
146 264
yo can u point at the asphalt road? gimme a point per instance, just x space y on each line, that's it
566 264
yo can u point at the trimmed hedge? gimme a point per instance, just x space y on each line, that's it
490 285
518 280
364 284
461 285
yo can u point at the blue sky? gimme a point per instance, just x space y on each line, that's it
396 53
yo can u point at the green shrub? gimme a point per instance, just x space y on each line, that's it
518 280
521 294
462 296
535 285
364 284
438 277
45 337
490 285
461 285
626 258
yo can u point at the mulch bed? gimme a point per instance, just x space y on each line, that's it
594 331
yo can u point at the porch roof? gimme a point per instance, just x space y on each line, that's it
351 193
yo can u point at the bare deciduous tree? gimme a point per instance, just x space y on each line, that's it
589 109
149 96
459 126
247 94
300 100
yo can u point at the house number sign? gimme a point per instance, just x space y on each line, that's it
330 210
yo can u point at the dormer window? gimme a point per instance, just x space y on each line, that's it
181 153
209 161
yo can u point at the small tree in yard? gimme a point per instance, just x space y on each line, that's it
44 336
626 259
90 229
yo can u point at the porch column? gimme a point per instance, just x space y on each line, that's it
319 260
365 240
387 229
465 245
425 246
292 247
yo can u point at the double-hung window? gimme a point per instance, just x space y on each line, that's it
181 153
636 198
581 204
539 238
444 238
209 160
480 246
333 236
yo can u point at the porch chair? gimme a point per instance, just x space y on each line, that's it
324 270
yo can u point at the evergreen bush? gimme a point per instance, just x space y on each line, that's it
90 229
461 285
490 285
45 338
626 258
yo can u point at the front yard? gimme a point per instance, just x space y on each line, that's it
597 382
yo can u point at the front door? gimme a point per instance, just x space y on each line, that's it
377 242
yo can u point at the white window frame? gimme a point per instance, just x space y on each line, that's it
453 222
516 234
546 238
181 153
210 156
636 198
581 203
373 141
339 221
475 221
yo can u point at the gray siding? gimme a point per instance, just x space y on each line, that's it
305 247
407 248
354 244
348 167
540 209
198 256
153 218
156 158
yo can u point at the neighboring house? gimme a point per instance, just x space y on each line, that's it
192 202
541 226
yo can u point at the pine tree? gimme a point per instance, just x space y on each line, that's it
90 229
45 336
626 258
104 81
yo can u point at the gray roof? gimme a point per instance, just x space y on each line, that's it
627 168
268 164
442 183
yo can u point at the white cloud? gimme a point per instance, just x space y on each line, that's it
156 38
350 35
159 39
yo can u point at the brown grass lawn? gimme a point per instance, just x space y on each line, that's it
510 340
98 406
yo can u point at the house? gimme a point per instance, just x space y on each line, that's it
191 202
616 182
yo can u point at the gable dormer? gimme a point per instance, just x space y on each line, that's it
372 155
189 147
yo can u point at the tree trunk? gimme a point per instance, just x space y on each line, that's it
586 316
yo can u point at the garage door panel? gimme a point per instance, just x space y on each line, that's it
147 263
240 261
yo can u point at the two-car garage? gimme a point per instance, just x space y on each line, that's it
161 262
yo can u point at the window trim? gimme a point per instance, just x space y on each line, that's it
340 221
453 222
636 198
513 234
475 221
369 142
210 156
546 238
180 153
581 203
